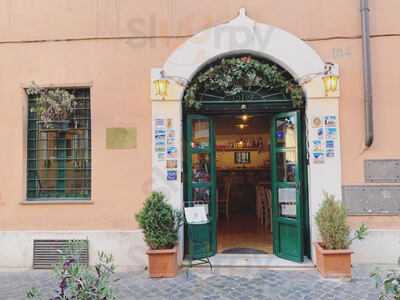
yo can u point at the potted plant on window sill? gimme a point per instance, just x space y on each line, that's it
333 256
54 107
160 224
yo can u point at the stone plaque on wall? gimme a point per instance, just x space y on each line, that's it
382 170
372 199
121 138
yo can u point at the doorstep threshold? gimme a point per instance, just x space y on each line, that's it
253 260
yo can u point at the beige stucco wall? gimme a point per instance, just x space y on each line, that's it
112 45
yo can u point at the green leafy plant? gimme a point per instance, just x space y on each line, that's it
52 104
160 222
81 282
389 283
331 221
236 75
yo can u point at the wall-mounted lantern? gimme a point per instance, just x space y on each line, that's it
161 87
162 84
329 79
330 83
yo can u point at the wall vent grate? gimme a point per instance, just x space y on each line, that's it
47 253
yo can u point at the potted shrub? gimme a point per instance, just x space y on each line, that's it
333 255
160 224
54 107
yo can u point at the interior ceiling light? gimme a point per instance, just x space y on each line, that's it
242 126
244 117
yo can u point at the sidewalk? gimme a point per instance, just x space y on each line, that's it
223 283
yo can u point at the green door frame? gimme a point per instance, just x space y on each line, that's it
302 222
288 232
211 184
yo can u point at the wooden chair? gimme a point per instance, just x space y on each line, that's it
259 203
223 200
264 206
268 195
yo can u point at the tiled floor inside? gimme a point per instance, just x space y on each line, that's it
243 231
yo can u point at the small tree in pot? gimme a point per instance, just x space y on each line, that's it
160 224
333 255
54 107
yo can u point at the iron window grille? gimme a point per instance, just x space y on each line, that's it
59 162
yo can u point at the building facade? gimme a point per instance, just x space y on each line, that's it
109 55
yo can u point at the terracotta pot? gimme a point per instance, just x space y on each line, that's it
163 263
333 263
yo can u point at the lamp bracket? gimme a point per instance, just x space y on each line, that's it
177 79
328 70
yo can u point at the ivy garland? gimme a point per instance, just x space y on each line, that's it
239 74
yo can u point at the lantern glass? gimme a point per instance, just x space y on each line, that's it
161 86
330 83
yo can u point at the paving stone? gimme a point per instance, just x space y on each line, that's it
197 283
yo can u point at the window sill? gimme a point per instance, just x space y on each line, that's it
56 201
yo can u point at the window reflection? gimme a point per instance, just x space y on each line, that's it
200 134
200 167
63 162
286 162
286 132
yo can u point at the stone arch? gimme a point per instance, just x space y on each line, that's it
244 35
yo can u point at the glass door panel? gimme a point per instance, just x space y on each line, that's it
286 187
200 134
286 164
200 168
287 202
200 176
201 197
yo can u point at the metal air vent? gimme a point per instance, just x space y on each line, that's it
47 253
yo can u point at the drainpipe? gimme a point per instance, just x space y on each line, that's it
368 109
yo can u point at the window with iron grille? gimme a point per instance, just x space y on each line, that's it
59 162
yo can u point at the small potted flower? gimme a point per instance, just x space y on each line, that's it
54 107
333 256
160 224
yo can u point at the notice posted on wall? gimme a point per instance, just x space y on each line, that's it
324 134
165 146
160 138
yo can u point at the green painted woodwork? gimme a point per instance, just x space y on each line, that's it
200 244
199 250
61 157
59 162
272 105
288 232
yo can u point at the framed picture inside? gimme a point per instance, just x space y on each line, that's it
242 157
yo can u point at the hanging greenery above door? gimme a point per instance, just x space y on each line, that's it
242 78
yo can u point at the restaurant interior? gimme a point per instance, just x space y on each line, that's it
244 184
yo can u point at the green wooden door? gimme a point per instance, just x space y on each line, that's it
200 173
287 199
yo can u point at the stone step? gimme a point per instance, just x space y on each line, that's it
253 260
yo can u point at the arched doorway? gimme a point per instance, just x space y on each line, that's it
243 35
244 158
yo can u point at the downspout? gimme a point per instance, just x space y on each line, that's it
368 108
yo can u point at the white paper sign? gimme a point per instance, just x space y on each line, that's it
196 215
